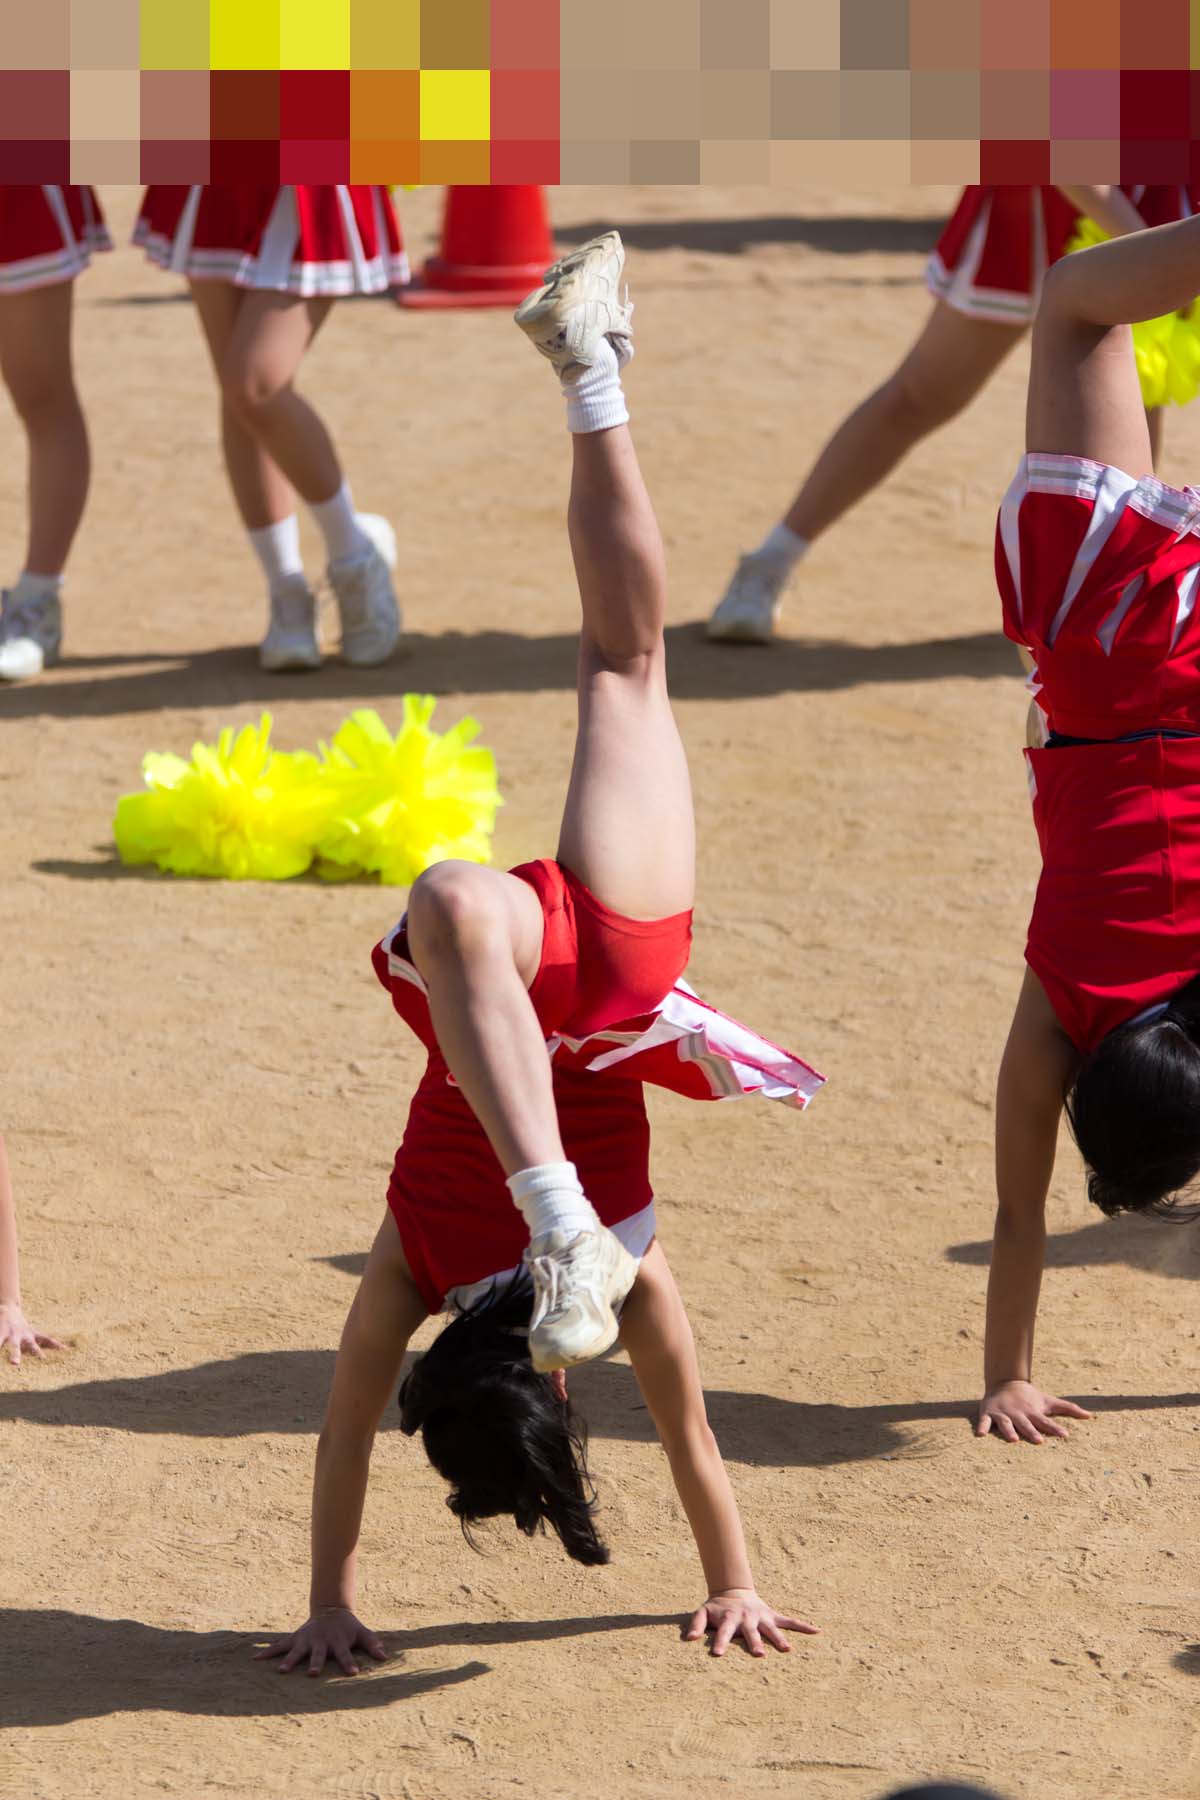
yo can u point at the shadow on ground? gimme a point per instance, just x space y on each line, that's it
284 1391
58 1666
1159 1246
839 235
490 662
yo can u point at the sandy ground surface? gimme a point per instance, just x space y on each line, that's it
203 1087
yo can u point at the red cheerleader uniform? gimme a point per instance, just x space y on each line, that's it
992 257
615 1012
317 242
1099 574
47 235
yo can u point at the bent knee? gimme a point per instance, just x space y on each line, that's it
249 387
452 908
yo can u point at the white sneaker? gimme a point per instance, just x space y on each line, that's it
750 608
30 635
366 599
578 1281
380 533
579 304
292 641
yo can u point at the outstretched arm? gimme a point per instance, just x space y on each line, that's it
1036 1067
1084 398
658 1337
386 1311
16 1332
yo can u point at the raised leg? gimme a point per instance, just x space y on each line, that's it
627 829
476 937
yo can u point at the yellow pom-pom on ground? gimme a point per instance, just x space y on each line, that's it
394 806
238 809
1166 350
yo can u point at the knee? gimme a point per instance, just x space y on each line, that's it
43 397
452 913
919 402
250 387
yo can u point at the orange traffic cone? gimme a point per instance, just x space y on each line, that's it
496 246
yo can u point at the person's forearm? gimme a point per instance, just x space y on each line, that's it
702 1484
10 1267
339 1495
1142 276
1111 209
1014 1284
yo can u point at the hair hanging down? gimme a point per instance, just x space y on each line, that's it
496 1430
1134 1109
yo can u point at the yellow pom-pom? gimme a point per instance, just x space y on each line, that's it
1166 350
238 809
394 806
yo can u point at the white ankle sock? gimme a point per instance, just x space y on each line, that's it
277 548
595 400
784 546
37 587
549 1198
337 521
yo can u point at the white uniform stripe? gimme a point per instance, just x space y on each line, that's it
1187 601
181 248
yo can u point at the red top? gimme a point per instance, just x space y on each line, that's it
1098 574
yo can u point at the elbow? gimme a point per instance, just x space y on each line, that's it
691 1442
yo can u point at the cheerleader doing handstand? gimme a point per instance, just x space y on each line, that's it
580 957
1099 570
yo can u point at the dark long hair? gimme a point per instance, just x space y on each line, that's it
496 1430
1134 1109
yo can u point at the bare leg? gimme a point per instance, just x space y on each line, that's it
259 353
949 364
1154 423
1083 390
262 492
627 830
35 360
476 937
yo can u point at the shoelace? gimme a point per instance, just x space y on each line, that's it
18 619
290 608
550 1284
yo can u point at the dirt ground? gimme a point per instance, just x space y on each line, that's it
202 1088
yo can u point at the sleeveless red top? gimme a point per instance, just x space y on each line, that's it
1098 575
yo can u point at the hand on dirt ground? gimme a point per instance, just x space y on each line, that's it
739 1612
17 1335
333 1631
1017 1409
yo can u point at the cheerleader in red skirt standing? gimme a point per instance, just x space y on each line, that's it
265 265
47 235
1098 565
985 276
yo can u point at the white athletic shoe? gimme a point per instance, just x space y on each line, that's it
366 599
749 611
578 1281
579 304
30 635
292 640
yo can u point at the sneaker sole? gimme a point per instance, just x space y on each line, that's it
292 662
737 634
628 1273
567 280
